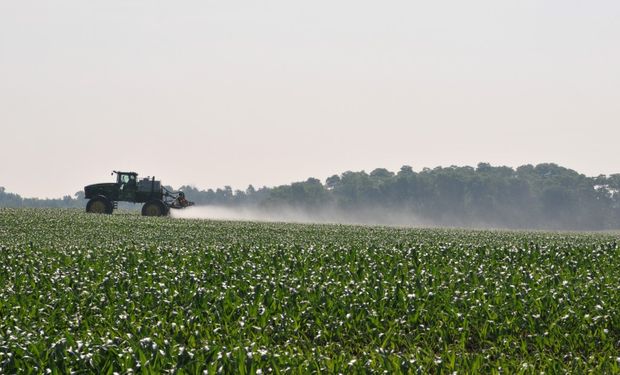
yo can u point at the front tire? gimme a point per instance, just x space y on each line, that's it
154 208
99 205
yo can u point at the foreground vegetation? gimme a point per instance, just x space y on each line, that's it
125 293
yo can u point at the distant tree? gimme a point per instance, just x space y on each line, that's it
406 170
483 167
381 173
332 182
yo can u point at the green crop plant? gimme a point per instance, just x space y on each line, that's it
128 294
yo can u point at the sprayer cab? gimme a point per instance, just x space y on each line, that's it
104 198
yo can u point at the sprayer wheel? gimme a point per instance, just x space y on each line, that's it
99 205
154 208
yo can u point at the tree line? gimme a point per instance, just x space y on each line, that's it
15 200
543 196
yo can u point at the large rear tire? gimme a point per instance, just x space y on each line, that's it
154 208
99 205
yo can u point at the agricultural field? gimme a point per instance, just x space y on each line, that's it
127 294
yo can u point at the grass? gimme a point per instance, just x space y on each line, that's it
123 293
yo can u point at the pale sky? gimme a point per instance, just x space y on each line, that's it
215 93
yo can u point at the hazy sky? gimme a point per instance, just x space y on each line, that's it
216 93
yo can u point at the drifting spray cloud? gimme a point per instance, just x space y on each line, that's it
368 216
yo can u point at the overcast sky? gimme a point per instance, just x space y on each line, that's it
215 93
